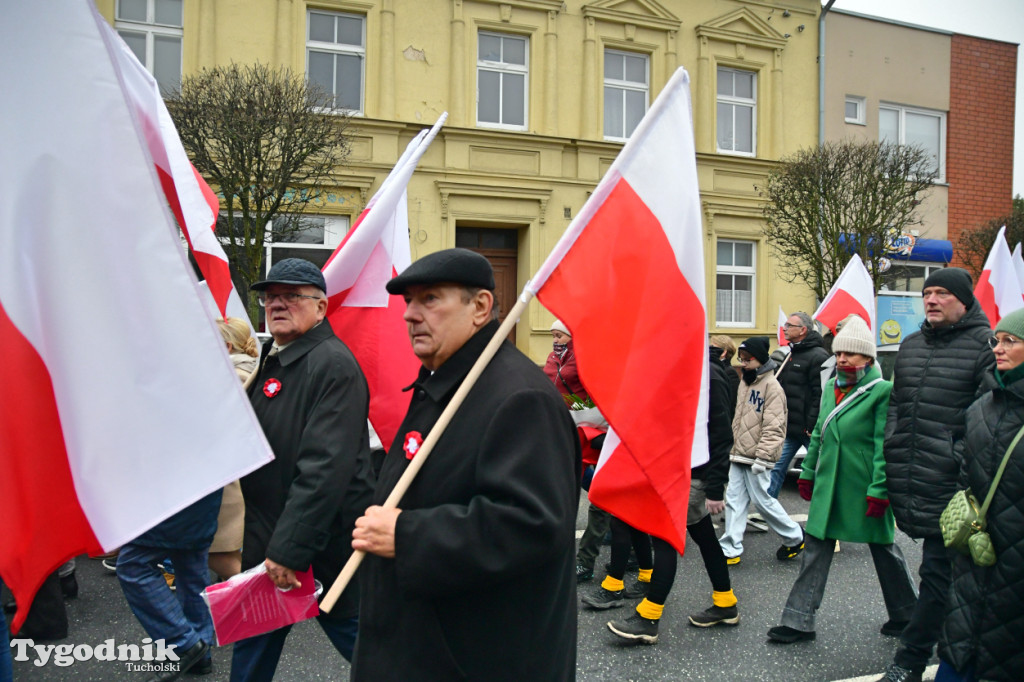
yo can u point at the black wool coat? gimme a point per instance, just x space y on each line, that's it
938 373
985 621
482 586
801 380
300 509
721 405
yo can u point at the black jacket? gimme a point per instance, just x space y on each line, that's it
985 622
715 473
300 509
801 380
733 377
482 585
938 373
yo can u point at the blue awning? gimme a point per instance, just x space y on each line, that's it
925 250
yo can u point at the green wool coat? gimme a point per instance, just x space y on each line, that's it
846 464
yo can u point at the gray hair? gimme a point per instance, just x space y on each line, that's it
805 320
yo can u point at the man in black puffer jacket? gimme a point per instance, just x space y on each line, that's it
938 373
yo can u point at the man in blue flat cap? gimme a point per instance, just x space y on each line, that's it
473 576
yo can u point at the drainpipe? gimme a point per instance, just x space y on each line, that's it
821 70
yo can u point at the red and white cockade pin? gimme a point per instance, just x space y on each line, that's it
412 443
271 388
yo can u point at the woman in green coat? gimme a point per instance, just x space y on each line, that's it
843 476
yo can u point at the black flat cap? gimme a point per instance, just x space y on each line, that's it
455 266
292 271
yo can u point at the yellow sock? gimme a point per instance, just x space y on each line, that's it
645 575
649 610
723 599
611 584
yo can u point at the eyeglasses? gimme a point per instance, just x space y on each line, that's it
1007 342
790 325
289 299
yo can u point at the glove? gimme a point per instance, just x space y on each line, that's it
757 468
806 486
876 507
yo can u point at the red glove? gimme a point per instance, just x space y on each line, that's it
805 485
876 507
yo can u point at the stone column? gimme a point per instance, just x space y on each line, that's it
704 95
457 76
588 123
777 111
283 34
551 75
386 83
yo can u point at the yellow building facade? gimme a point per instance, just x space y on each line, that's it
541 96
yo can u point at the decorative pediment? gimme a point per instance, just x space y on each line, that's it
646 13
542 5
742 26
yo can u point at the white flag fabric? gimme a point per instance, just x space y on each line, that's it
852 293
1018 265
998 290
121 404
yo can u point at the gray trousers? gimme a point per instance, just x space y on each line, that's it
804 599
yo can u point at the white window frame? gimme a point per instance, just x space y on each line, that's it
861 104
503 68
335 228
335 49
738 102
734 270
928 268
152 30
625 86
902 112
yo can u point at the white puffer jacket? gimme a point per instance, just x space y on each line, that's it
759 426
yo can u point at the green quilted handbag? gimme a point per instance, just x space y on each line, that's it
963 523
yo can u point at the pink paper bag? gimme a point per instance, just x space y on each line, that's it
249 604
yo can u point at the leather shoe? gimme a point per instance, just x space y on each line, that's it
788 635
187 659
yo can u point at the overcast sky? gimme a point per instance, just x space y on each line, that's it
998 19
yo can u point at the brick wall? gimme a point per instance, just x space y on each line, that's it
979 152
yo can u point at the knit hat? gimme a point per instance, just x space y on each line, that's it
956 281
757 346
559 326
855 337
1013 324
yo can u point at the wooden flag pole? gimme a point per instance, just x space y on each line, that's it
428 444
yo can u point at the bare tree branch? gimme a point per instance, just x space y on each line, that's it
974 245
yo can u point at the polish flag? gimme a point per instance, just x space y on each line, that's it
628 278
191 200
998 290
121 406
781 333
359 308
1018 265
853 292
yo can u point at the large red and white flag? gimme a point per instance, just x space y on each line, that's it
998 290
781 331
1018 265
193 202
852 293
359 308
121 406
628 278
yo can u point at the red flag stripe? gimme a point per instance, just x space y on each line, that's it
842 304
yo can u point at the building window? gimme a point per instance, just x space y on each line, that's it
855 110
910 278
737 111
734 283
922 127
153 30
626 88
336 56
314 238
502 69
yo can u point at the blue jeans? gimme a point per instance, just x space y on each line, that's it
255 659
180 617
789 448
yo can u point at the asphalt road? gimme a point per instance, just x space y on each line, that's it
848 644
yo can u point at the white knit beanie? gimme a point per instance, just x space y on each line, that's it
557 326
855 337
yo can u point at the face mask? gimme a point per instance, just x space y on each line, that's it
849 376
559 347
749 375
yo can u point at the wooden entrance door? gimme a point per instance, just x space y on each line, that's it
500 246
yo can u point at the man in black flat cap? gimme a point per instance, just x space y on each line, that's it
312 400
473 576
939 372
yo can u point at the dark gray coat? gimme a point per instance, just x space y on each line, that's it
482 586
300 509
985 624
938 373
